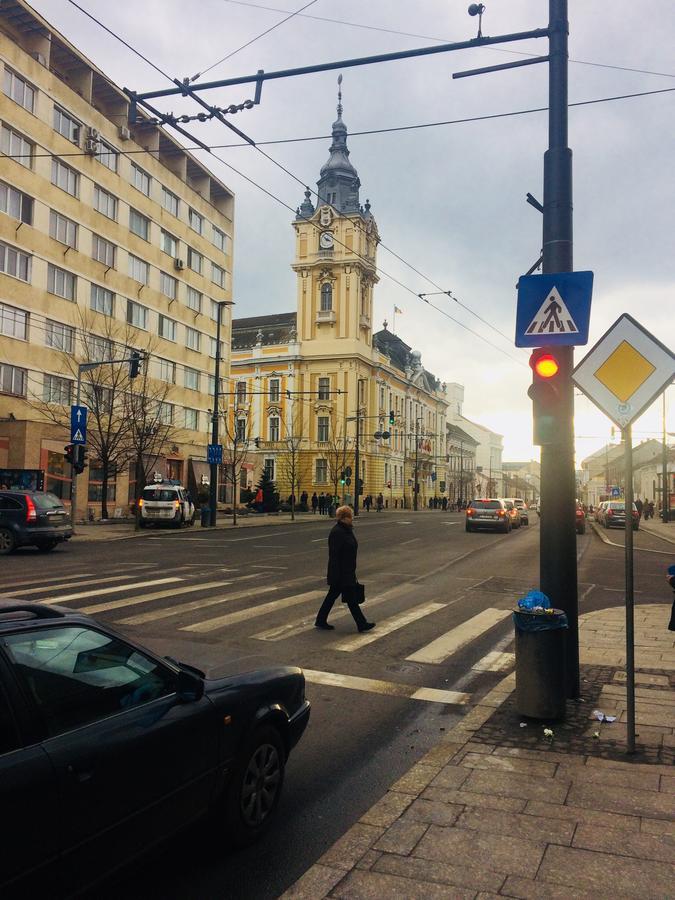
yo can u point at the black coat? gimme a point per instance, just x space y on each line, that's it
342 550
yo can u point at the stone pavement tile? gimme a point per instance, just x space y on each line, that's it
646 781
602 763
479 878
478 716
509 764
664 721
375 885
441 754
643 846
622 800
496 852
649 735
667 784
641 678
486 895
368 859
401 837
528 827
451 777
524 753
593 870
348 850
668 740
386 810
474 747
581 814
508 784
466 798
658 826
416 779
538 889
433 812
315 884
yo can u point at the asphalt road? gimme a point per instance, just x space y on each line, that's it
379 701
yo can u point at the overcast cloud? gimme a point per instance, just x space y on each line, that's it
450 200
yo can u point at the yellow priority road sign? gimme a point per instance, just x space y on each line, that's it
625 371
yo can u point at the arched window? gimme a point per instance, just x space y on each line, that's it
326 297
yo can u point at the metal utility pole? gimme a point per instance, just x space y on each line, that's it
76 450
665 486
627 435
416 485
357 447
213 477
557 553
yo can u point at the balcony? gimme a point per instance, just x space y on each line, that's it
324 316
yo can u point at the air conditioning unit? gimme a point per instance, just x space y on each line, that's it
124 133
178 264
92 134
91 146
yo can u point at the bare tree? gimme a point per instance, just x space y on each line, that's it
337 454
292 460
237 432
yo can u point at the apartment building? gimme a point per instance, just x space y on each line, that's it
112 239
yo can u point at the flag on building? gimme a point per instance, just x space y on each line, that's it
397 310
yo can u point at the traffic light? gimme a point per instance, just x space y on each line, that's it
135 364
547 397
359 486
343 477
392 417
256 441
69 454
80 459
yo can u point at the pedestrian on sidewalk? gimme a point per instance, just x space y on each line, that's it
341 574
367 503
322 503
638 506
303 498
315 502
380 502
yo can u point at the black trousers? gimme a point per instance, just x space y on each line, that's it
334 592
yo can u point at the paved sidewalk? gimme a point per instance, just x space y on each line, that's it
501 810
664 530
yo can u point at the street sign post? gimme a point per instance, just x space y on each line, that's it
214 454
78 424
554 309
623 374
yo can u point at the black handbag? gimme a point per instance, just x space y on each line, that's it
358 593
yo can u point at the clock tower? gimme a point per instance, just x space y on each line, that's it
335 256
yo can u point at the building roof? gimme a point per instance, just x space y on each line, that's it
277 328
404 358
454 431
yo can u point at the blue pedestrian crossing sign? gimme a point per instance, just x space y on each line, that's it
78 424
554 309
214 454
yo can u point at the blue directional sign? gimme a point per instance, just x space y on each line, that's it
616 492
78 424
554 309
214 454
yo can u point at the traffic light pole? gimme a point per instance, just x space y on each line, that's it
213 474
416 484
557 554
357 448
76 447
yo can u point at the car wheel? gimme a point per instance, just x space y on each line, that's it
46 546
467 527
7 541
178 523
142 523
252 796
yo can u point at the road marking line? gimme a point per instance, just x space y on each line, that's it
495 662
447 644
167 613
269 567
356 641
411 541
147 598
111 590
46 580
252 612
70 584
388 688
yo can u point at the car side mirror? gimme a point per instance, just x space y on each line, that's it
189 687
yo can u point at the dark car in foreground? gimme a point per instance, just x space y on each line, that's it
32 518
107 749
488 513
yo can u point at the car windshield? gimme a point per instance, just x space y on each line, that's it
159 494
47 501
485 504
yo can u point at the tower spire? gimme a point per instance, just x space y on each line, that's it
339 183
339 106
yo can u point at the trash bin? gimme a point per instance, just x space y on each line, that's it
541 688
205 514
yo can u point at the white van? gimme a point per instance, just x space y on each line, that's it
165 503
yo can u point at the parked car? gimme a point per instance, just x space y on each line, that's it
614 515
32 518
487 513
165 503
520 505
107 749
513 511
580 519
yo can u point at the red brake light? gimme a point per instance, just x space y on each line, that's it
31 512
501 512
470 511
609 512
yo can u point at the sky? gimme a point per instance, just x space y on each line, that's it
449 199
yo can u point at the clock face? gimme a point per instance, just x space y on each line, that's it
326 240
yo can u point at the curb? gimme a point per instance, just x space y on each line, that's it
657 534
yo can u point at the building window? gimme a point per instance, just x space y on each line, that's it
191 378
322 428
59 336
274 391
107 156
65 178
137 315
14 262
56 390
16 204
16 146
139 224
321 471
139 270
169 244
165 414
99 349
17 89
66 125
103 251
140 179
241 393
60 282
167 328
196 221
13 322
13 380
168 285
62 229
214 310
101 300
220 240
273 428
326 297
268 468
193 338
105 203
195 261
95 485
166 371
192 419
324 388
213 346
194 300
170 201
218 275
241 430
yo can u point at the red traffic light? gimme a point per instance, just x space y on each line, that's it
545 365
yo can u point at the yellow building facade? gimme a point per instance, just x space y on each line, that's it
111 240
300 380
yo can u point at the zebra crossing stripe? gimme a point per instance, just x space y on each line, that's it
70 584
447 644
111 590
252 612
495 662
387 688
191 607
356 641
147 598
54 579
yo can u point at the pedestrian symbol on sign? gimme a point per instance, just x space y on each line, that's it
553 317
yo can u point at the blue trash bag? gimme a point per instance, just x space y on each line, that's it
534 599
527 621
